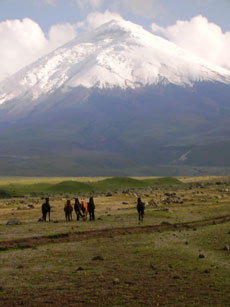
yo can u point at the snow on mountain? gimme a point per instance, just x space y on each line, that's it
117 54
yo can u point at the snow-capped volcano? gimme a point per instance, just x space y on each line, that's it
117 100
117 54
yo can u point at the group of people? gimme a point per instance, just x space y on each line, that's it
81 208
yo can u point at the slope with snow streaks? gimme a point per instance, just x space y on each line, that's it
117 54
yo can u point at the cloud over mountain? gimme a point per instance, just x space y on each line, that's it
203 38
23 42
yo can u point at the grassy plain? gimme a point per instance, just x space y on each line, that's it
176 257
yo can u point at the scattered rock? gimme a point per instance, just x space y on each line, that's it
201 256
154 202
165 223
13 222
31 206
20 267
98 258
170 194
153 267
109 194
178 200
116 281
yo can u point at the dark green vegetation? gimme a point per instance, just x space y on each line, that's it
74 187
164 130
176 257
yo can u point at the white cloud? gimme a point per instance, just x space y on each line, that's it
23 42
200 36
96 19
60 34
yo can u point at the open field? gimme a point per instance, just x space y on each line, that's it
178 256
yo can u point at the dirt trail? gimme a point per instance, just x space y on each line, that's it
106 233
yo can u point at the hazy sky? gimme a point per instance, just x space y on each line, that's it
30 29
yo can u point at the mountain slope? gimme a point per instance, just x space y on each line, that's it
117 100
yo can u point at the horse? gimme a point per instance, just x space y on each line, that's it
78 209
91 209
68 211
84 208
46 209
140 209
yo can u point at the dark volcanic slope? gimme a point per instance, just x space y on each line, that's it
155 129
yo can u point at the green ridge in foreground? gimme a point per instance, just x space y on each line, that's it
72 186
118 183
162 181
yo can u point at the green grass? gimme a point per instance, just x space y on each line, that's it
162 181
70 187
73 186
119 183
138 269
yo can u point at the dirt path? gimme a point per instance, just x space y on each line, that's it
106 233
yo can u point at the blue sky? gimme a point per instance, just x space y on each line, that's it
49 12
30 29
